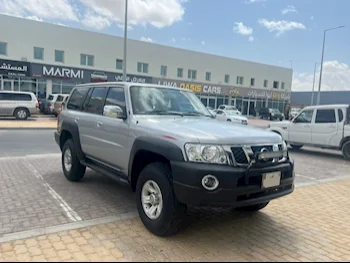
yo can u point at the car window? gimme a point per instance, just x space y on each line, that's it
59 98
305 117
6 96
95 104
116 97
77 98
220 112
340 115
325 116
221 107
50 98
22 97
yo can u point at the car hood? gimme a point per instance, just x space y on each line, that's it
205 130
280 124
237 117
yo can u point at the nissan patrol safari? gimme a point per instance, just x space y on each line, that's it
165 144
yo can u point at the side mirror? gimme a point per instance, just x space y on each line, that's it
114 112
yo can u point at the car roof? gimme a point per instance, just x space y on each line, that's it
17 92
329 106
129 84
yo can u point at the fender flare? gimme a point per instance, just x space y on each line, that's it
155 145
73 129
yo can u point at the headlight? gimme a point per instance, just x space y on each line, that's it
205 153
284 148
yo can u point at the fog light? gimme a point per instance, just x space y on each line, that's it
210 182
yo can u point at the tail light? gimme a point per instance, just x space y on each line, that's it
37 105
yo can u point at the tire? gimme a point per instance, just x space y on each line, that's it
76 171
21 114
296 147
346 150
170 218
252 208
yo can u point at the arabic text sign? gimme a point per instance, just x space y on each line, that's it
14 68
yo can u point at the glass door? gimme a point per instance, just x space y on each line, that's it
212 102
8 84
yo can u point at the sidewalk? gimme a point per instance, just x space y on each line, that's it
309 225
28 124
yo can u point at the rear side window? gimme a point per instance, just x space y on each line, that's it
325 116
50 97
77 98
22 97
6 96
95 102
340 115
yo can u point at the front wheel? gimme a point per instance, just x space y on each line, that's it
346 150
21 114
252 208
159 210
73 170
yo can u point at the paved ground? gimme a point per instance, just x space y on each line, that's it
310 225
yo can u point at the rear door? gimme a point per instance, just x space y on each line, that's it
300 128
8 104
325 127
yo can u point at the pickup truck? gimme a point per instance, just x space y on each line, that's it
326 126
164 144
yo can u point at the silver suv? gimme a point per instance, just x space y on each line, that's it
164 143
20 105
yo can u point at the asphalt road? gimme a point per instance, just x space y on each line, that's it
34 193
27 142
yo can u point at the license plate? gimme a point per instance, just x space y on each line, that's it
271 180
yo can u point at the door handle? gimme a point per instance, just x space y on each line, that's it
76 120
99 123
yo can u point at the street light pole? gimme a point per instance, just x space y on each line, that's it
313 86
125 39
321 70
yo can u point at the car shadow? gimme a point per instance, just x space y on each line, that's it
318 153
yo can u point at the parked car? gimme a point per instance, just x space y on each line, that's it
229 107
138 135
58 103
326 126
20 105
271 114
49 106
62 105
231 116
212 111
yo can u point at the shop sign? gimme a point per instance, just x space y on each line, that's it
61 72
268 95
133 79
14 68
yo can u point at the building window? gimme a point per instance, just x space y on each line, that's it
163 70
192 74
38 53
283 85
240 80
275 84
3 48
266 83
208 76
87 60
252 82
59 56
227 78
119 64
180 72
142 67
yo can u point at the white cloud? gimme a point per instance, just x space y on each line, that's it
57 9
243 30
335 76
95 21
289 9
203 43
253 1
282 26
158 13
146 39
35 18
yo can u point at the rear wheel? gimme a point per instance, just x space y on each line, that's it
346 150
296 147
21 114
73 170
252 208
159 210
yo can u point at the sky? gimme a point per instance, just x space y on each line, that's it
286 33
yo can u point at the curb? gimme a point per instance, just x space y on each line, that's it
27 128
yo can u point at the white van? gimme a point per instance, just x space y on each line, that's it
20 105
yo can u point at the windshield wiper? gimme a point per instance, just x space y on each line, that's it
196 114
162 112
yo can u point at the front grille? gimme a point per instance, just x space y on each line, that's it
239 155
257 149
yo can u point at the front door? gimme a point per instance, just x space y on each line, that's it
325 127
300 129
245 107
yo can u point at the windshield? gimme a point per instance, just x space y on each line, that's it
232 112
231 108
59 98
164 101
276 110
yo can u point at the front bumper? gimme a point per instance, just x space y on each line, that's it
237 186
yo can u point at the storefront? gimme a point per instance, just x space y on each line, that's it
14 75
247 100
